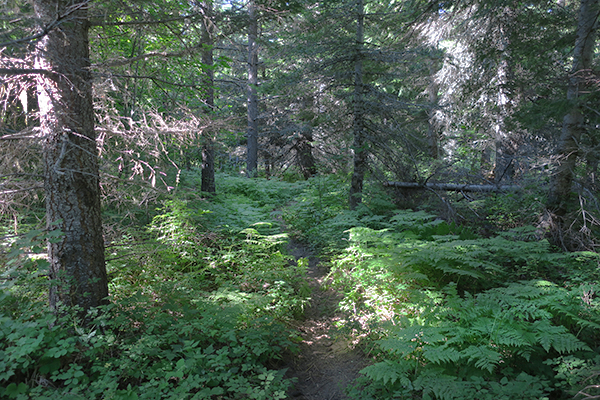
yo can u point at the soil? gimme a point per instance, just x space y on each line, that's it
327 362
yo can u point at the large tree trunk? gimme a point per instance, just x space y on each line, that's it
208 152
252 155
359 145
77 265
568 148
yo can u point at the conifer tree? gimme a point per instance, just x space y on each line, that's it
71 181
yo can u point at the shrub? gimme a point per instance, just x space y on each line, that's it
172 343
514 342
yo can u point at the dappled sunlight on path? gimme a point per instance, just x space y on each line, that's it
327 363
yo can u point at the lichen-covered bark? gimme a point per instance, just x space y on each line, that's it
77 264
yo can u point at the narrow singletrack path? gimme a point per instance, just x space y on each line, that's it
327 362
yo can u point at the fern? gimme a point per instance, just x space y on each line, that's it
389 372
490 334
482 356
478 334
441 355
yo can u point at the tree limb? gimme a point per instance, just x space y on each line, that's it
454 187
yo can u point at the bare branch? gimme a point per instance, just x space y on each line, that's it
6 192
154 79
21 174
28 71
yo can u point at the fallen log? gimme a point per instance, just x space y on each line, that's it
455 187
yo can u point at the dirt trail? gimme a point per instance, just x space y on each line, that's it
326 363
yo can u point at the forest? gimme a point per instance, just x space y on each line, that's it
298 199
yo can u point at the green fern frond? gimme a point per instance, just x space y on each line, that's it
546 333
441 355
568 343
443 387
398 347
446 268
407 219
388 372
513 336
432 335
482 356
525 353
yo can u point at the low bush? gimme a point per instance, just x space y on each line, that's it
174 343
197 311
454 316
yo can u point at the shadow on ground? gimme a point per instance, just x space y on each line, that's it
326 363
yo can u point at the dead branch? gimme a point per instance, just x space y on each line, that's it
454 187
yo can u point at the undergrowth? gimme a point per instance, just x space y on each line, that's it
448 314
202 293
200 300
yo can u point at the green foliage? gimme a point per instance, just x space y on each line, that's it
419 251
201 295
195 312
179 228
242 202
174 342
24 270
515 342
512 210
320 215
433 385
457 329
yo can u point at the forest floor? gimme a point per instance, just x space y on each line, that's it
327 362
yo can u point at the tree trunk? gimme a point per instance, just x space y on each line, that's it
208 152
305 158
506 141
433 99
359 145
77 265
568 149
208 166
252 149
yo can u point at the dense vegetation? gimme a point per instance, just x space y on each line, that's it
200 297
203 293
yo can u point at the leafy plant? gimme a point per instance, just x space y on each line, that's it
175 341
194 313
502 342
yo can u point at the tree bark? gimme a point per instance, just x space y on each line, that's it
359 144
208 151
305 159
506 141
572 127
77 264
252 148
